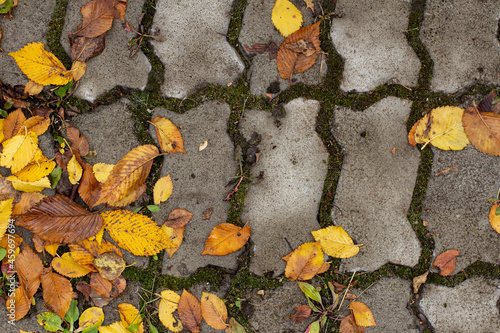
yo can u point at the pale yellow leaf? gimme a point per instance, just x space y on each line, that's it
35 171
135 233
41 66
168 304
163 189
18 151
32 88
36 186
5 215
102 171
362 314
214 311
67 266
336 242
168 135
130 316
116 327
75 170
286 17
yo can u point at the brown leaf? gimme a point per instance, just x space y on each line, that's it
84 288
79 142
13 123
207 213
57 291
7 191
84 48
20 302
16 102
299 51
487 105
60 220
302 313
178 218
418 281
98 17
101 285
190 311
117 286
89 188
226 238
28 267
483 130
446 262
348 325
270 47
63 159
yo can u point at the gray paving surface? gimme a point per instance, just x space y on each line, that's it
376 185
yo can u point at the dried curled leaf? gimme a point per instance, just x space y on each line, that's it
286 17
226 238
336 242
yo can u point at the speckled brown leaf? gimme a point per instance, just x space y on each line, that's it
299 51
110 265
483 130
101 285
58 219
57 291
89 188
348 325
178 218
98 17
190 311
446 262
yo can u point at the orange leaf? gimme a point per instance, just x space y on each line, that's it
89 188
226 238
57 291
299 51
101 285
301 313
28 200
178 218
190 311
86 251
79 142
29 267
128 174
174 236
494 218
13 123
305 262
483 130
58 219
348 325
133 196
98 17
18 304
214 311
362 314
168 135
446 262
37 124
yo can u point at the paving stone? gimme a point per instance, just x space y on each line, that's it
268 313
469 307
456 205
464 47
113 67
370 36
283 208
195 51
375 186
199 180
28 24
257 28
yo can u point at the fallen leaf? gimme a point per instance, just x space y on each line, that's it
98 17
110 265
163 189
168 135
40 66
168 305
91 317
116 327
305 262
35 171
35 186
131 197
13 123
418 281
5 215
348 325
84 48
29 267
207 213
32 88
336 242
226 238
440 173
36 124
57 291
234 327
270 47
130 316
86 251
494 218
79 142
190 311
58 219
78 69
299 51
175 236
203 145
214 311
67 266
89 188
100 285
310 4
483 130
75 170
446 262
362 314
7 191
102 171
303 312
286 17
20 302
18 151
178 218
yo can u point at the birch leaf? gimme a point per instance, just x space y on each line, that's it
102 171
336 242
214 311
163 189
67 266
75 170
35 186
362 314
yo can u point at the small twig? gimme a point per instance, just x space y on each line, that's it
347 289
367 288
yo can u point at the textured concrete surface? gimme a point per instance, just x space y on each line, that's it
196 51
257 28
31 19
113 67
199 182
376 185
282 209
464 47
456 205
28 323
370 36
470 307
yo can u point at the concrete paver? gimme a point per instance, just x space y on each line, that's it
113 67
456 205
257 28
195 51
199 182
464 47
470 307
369 35
376 184
282 209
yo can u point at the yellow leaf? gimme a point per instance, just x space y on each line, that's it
442 128
135 233
168 304
116 327
305 262
98 236
2 136
336 242
36 186
75 170
52 248
78 69
163 189
362 314
175 236
35 171
226 238
32 88
36 124
67 266
5 215
131 197
214 311
130 316
40 66
92 317
102 171
286 17
168 135
494 218
18 151
110 265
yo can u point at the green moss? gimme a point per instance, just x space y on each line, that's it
56 25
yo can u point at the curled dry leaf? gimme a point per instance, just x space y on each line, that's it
163 189
226 238
419 281
67 266
207 213
483 130
299 51
110 265
446 262
362 314
203 145
57 291
494 218
168 135
305 262
214 311
336 242
178 218
190 311
98 17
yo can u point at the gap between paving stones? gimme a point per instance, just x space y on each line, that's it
327 93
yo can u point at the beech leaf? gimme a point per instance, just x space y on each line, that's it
168 135
226 238
29 267
446 262
336 242
214 311
190 311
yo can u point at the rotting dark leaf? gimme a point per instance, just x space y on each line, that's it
270 47
84 48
